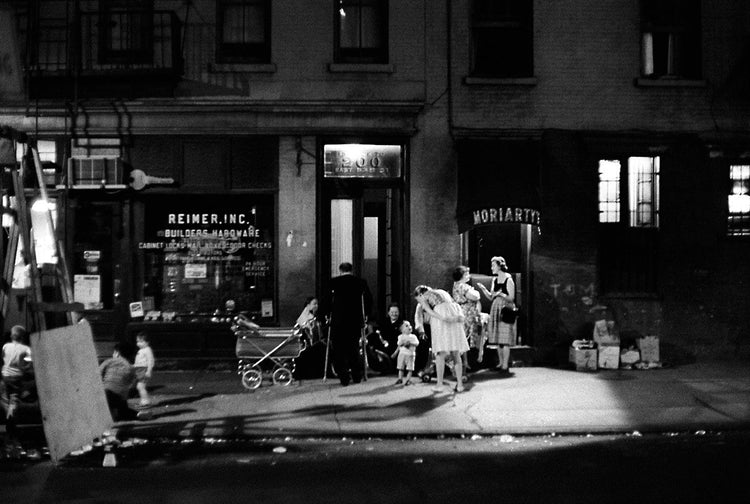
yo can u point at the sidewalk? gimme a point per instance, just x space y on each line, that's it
535 400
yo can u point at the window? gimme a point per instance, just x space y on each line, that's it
243 31
641 185
670 39
361 31
629 223
502 38
738 201
126 31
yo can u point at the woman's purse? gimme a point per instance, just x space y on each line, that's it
509 314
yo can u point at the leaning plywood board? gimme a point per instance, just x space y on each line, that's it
71 396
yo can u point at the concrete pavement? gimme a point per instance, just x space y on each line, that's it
534 400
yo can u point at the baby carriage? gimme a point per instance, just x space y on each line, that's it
268 350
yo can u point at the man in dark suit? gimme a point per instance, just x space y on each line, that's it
350 303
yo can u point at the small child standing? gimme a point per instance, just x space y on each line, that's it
16 366
144 368
407 349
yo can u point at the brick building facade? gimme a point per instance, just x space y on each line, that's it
621 125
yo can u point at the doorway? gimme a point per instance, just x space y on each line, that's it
513 242
364 226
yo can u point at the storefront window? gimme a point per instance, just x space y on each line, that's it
201 251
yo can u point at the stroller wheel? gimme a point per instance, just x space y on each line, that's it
426 378
251 379
282 376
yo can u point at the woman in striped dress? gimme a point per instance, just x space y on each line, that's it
503 293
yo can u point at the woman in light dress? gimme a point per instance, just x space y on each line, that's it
447 331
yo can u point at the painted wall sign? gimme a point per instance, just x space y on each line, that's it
362 161
209 225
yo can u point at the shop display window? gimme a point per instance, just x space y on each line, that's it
200 251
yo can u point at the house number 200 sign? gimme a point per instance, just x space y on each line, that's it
362 161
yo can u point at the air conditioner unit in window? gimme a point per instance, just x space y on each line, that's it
94 172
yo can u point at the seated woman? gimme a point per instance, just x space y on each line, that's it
308 320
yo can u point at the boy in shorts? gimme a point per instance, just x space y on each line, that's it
407 350
144 368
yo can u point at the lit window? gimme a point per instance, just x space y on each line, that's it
609 191
244 31
361 31
502 38
642 191
738 201
670 38
629 232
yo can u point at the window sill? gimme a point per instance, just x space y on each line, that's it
498 81
242 67
669 82
360 68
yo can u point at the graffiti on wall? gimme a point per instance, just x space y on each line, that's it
573 293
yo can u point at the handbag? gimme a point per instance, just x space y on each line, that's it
509 314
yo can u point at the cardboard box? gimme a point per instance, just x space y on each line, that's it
609 357
604 333
649 347
584 359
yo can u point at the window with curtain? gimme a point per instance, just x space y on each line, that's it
628 224
243 31
126 31
361 31
502 38
671 39
738 201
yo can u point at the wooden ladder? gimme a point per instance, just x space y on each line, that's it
20 233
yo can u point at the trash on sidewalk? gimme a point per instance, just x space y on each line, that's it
583 355
606 338
649 348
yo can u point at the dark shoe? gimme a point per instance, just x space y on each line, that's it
399 382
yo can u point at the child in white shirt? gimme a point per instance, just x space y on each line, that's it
144 368
407 349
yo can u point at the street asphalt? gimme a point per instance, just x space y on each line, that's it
704 396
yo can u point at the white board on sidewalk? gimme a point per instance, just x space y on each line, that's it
71 395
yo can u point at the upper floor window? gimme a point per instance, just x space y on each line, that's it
671 38
243 31
640 183
502 38
738 201
361 31
126 31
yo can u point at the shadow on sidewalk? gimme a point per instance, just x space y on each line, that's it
274 422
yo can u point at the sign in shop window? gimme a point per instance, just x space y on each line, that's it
362 161
202 250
